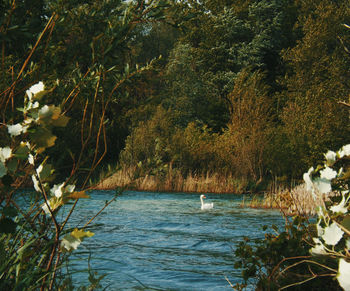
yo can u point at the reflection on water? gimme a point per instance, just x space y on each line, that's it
162 241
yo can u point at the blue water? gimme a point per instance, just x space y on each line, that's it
163 241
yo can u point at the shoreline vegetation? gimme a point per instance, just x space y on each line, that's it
294 200
173 181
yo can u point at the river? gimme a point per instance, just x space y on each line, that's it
164 241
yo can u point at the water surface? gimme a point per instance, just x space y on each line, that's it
164 241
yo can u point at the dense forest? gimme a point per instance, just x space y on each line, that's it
248 90
245 95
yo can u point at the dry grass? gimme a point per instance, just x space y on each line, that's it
297 201
173 181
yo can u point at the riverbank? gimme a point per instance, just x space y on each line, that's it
295 201
291 201
173 181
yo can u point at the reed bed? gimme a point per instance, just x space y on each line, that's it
173 181
295 201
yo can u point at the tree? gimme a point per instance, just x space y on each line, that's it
318 77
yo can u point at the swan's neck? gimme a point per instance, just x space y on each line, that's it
202 201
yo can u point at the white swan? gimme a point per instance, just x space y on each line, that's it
205 206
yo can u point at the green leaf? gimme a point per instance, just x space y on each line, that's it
22 152
3 169
46 172
10 211
7 225
346 222
7 180
12 165
43 138
61 121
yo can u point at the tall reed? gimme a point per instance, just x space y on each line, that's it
174 181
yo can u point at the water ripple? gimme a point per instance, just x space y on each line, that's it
161 241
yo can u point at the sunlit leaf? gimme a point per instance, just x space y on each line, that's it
15 129
78 195
69 243
81 234
346 222
36 91
328 173
5 154
330 157
73 240
332 234
345 151
43 138
60 121
318 249
343 275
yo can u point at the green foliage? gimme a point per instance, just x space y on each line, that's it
317 78
282 259
82 51
307 255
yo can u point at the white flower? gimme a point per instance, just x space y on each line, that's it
15 130
57 190
3 170
332 234
341 207
5 154
70 243
35 89
328 173
330 157
343 275
345 151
